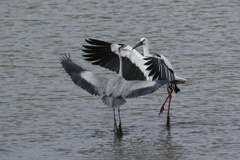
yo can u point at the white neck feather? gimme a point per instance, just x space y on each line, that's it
120 63
146 50
115 48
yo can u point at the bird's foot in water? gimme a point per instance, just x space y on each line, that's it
168 123
115 128
118 130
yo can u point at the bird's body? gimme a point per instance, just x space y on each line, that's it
135 65
100 53
114 90
158 58
155 61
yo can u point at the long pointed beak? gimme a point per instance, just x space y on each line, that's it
139 44
122 46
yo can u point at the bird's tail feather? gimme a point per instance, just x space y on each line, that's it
113 101
176 89
173 85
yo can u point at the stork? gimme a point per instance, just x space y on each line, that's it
155 63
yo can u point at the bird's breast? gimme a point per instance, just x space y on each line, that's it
115 87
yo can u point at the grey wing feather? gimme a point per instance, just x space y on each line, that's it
133 89
93 84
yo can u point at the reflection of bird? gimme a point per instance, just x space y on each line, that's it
114 90
135 65
155 63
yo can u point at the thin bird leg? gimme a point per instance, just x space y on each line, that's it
170 98
162 107
169 95
120 122
115 123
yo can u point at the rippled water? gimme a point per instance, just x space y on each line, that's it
45 116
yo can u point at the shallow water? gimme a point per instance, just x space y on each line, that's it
45 116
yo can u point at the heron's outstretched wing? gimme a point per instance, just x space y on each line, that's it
93 84
100 53
133 89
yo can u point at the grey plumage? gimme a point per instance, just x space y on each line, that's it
114 90
136 66
113 101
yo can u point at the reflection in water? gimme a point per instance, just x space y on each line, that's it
137 147
44 116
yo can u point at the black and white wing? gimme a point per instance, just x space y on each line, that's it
133 89
100 53
93 84
161 69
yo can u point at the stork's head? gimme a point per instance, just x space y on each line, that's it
143 41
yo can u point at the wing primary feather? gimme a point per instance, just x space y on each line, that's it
97 42
75 71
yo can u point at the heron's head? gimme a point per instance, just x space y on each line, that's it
143 41
117 47
122 46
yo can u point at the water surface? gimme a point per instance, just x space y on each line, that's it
45 116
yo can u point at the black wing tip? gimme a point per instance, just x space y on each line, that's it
97 42
85 46
93 39
88 40
148 58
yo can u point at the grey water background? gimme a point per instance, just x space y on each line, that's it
43 115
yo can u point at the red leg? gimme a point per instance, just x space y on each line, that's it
162 108
169 96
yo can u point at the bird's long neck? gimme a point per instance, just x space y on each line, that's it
120 64
146 50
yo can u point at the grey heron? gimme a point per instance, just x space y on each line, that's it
113 90
135 65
